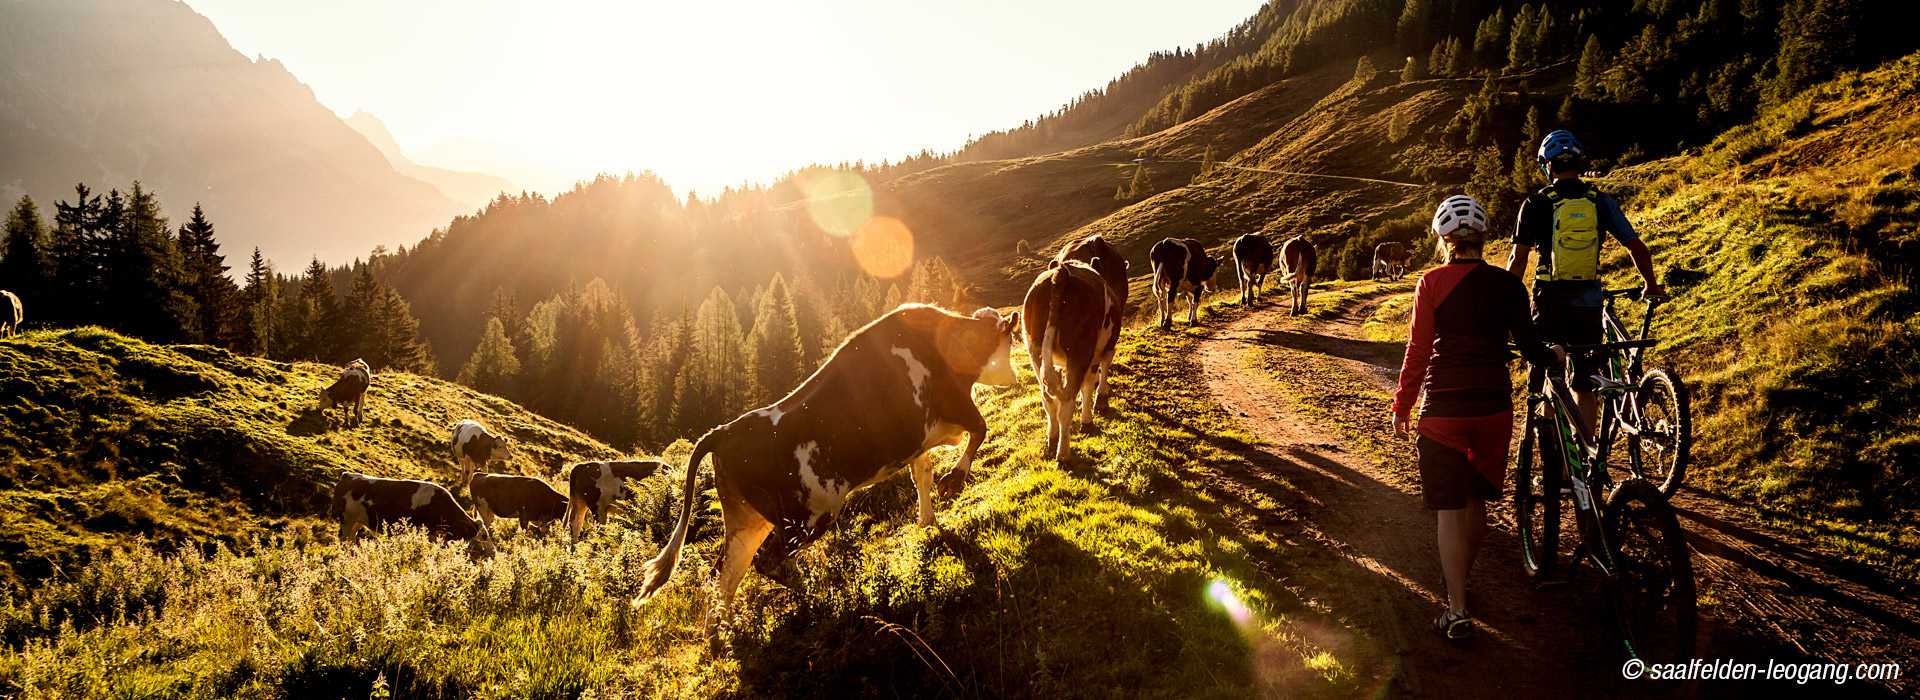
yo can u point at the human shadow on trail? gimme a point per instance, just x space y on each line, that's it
1371 352
1788 579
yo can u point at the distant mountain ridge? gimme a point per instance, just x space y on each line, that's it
111 91
469 189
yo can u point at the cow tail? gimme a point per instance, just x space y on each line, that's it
1054 305
660 568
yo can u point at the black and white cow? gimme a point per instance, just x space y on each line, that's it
12 314
474 448
1181 265
1069 318
531 500
894 390
594 486
1112 266
371 502
1252 260
349 391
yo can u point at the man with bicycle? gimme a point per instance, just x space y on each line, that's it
1564 221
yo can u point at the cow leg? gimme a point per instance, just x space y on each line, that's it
745 529
967 416
1193 306
486 513
1240 275
922 469
576 516
1069 404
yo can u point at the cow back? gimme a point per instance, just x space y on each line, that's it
1105 259
1298 255
1253 250
517 496
1071 297
1201 266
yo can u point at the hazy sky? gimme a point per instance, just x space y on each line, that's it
704 93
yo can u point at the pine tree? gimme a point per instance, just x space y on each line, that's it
146 285
494 366
1415 17
1520 44
1525 159
1459 58
709 389
1489 185
1440 60
1415 69
1490 40
77 248
775 345
259 327
399 344
317 319
1568 114
1545 37
360 333
26 269
206 281
1593 63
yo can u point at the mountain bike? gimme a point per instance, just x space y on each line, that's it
1655 420
1628 532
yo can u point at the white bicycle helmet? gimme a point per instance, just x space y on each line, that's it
1459 212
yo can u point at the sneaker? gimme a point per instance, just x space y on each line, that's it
1454 626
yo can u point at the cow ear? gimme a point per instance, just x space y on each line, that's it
1010 324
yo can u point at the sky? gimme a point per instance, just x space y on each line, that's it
706 94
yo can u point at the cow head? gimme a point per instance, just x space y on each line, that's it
998 369
1207 267
481 545
499 451
326 399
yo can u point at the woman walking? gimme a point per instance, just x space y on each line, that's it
1464 312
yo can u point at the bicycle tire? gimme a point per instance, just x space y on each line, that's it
1662 401
1536 510
1651 590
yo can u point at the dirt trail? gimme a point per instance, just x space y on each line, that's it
1764 594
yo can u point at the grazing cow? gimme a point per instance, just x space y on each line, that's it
372 502
894 390
11 314
531 500
594 486
1252 259
1296 269
1112 266
349 391
1069 318
1389 261
1181 265
474 448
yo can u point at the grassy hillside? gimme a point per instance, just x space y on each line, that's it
106 440
1121 571
1793 244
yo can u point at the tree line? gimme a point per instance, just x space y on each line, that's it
113 260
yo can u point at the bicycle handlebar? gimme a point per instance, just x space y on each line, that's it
1611 347
1633 293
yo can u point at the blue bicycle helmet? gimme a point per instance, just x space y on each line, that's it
1559 146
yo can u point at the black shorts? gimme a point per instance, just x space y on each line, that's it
1561 321
1448 479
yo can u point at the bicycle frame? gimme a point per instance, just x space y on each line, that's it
1584 459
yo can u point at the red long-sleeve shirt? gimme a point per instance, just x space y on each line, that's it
1463 313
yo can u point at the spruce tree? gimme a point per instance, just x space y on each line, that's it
1489 185
1490 40
494 366
1587 76
1415 17
1440 60
25 268
775 346
361 335
709 389
215 296
399 344
259 333
1520 43
317 319
77 248
146 289
1525 170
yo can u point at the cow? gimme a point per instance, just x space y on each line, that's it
12 314
1069 318
594 486
1296 269
531 500
1181 265
349 391
892 392
372 502
474 448
1112 266
1389 261
1252 260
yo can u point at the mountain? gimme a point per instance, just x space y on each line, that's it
105 440
107 92
472 190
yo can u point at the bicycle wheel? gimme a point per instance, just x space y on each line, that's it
1536 504
1661 448
1651 590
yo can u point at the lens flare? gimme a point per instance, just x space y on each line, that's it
839 202
1223 596
883 247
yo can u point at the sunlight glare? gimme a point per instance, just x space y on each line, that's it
883 247
840 202
1224 597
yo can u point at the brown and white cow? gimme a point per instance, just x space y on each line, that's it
12 314
1181 265
1112 266
474 448
1252 261
531 500
594 486
371 502
1296 269
1069 318
894 390
349 391
1389 260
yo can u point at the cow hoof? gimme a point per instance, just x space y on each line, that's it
952 484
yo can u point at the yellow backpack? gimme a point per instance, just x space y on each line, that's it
1576 239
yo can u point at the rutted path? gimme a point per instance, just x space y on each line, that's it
1763 594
